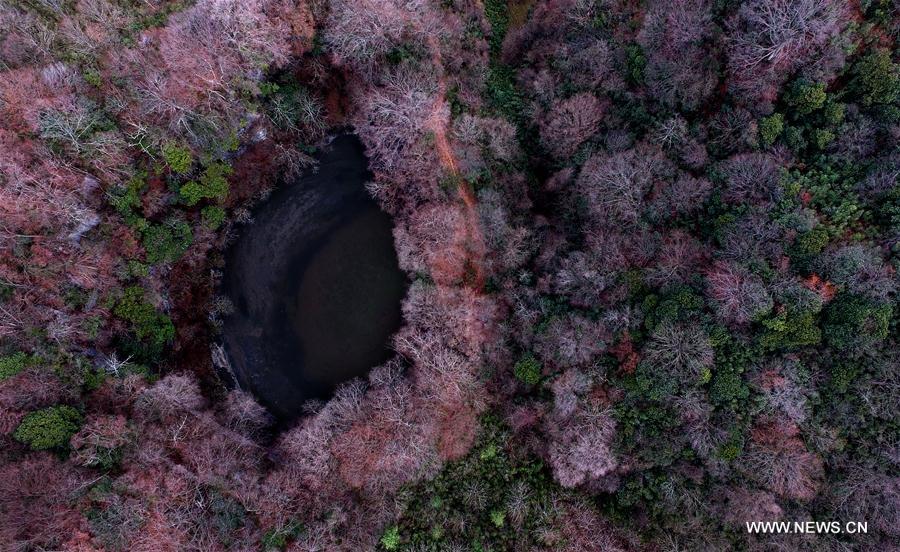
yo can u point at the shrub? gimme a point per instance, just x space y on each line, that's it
11 365
92 77
137 269
178 158
6 292
729 451
876 78
528 370
498 518
770 128
48 428
228 515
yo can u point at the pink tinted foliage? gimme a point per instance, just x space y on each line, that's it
584 277
752 178
769 39
616 184
570 122
433 242
739 295
577 527
97 437
685 195
214 454
172 397
745 505
679 259
35 509
31 389
679 351
241 413
778 459
679 69
581 430
572 341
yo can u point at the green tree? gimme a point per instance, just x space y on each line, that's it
809 244
11 365
167 242
806 97
528 370
148 325
49 427
733 356
177 157
788 330
128 197
853 321
821 137
213 216
212 184
390 540
876 78
770 128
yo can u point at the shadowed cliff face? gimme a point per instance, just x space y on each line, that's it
315 284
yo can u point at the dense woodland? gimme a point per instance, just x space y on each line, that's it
653 247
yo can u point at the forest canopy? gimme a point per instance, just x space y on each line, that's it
652 245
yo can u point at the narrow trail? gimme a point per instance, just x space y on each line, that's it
476 250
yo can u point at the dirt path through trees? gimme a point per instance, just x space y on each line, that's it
474 239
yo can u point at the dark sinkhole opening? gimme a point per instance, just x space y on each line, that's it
315 284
